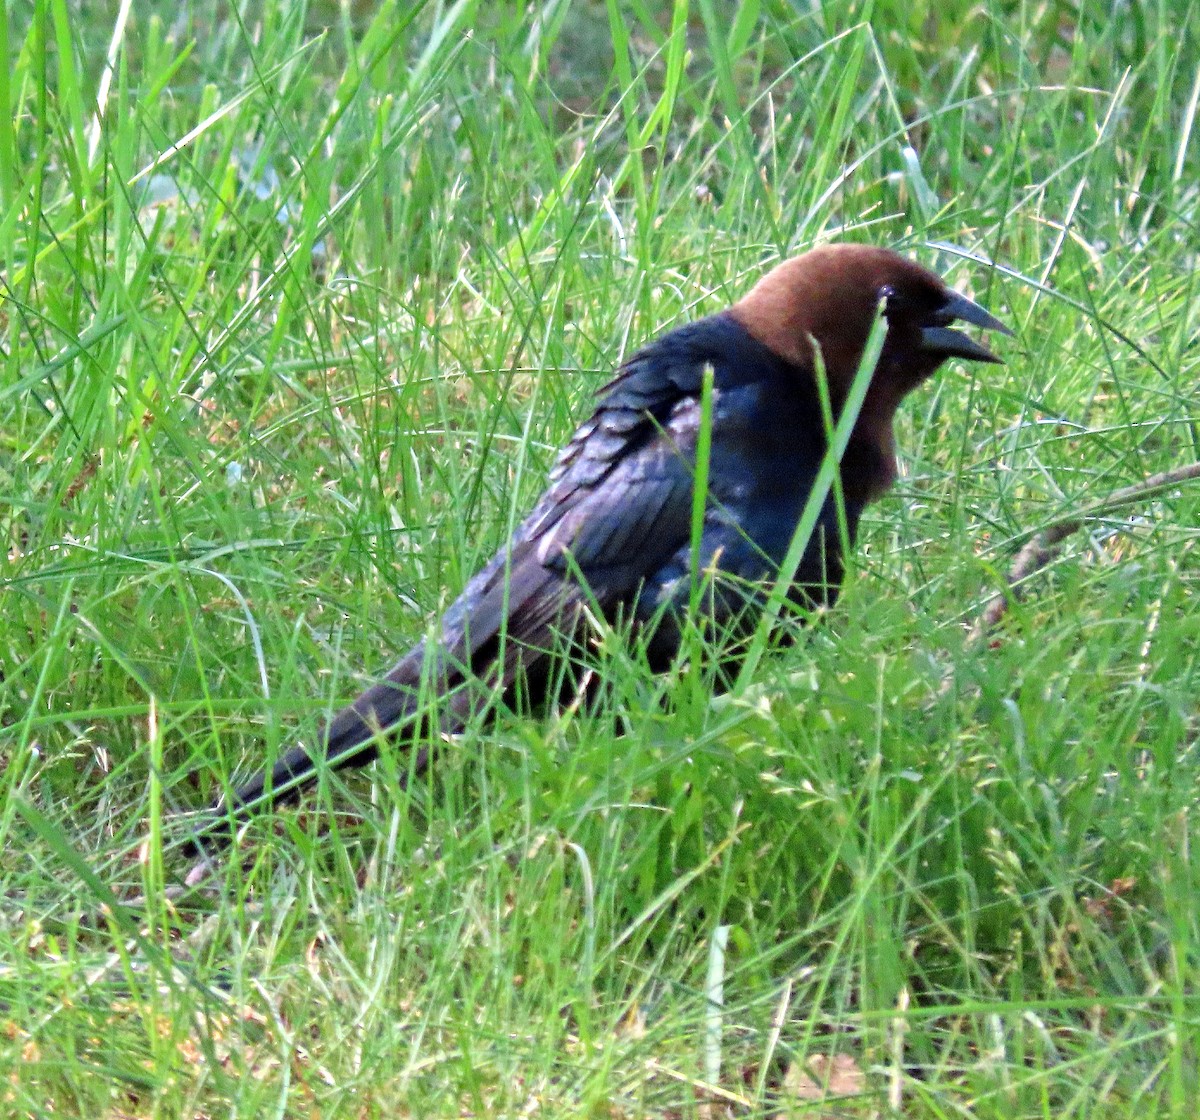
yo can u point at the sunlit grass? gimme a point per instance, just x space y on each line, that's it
291 332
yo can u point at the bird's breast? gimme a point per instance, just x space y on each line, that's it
766 447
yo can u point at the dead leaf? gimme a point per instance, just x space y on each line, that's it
822 1077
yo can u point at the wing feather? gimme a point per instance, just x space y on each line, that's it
618 507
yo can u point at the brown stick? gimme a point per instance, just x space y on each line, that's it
1043 547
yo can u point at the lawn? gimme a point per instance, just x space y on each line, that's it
297 302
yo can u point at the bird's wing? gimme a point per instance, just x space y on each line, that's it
618 506
620 495
619 500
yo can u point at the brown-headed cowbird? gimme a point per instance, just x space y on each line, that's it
614 533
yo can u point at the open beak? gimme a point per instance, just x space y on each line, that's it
940 338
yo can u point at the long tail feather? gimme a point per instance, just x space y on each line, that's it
425 693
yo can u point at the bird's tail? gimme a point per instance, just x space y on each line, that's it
495 633
393 707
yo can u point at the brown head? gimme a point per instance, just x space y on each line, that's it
831 293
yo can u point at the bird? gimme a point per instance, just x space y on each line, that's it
614 536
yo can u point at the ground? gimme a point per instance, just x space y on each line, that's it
298 301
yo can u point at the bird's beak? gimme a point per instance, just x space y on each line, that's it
941 339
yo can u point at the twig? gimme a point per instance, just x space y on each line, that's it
1043 547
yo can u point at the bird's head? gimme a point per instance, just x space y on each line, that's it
830 295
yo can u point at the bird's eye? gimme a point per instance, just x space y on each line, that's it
909 303
893 301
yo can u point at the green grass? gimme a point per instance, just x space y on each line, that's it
289 339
